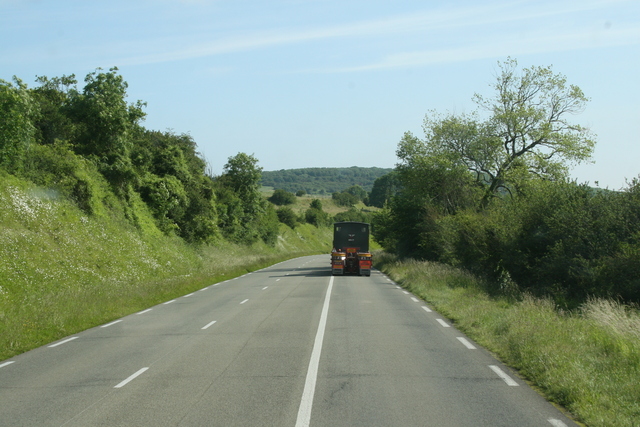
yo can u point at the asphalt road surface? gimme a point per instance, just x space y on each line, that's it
288 345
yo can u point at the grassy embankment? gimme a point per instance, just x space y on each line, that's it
588 361
62 271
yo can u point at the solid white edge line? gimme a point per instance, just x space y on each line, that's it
169 302
304 411
556 423
2 365
131 378
112 323
506 378
209 324
145 311
443 323
427 309
244 301
62 342
187 296
466 343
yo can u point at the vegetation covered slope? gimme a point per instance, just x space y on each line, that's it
62 270
100 217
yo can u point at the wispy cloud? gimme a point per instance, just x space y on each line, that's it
499 48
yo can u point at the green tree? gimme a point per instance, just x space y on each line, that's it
105 123
287 216
358 192
383 189
315 215
527 135
54 96
242 174
344 199
17 132
282 197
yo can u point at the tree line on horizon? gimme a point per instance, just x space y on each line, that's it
322 181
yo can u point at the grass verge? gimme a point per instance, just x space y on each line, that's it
62 271
587 360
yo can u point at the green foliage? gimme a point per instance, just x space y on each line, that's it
172 181
384 188
352 214
63 172
300 193
527 134
287 216
344 199
550 237
316 216
351 196
55 96
104 124
242 175
316 204
17 132
282 197
321 181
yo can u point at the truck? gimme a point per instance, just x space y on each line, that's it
350 253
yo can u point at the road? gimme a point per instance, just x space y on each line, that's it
288 345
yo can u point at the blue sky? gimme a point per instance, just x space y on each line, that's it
334 83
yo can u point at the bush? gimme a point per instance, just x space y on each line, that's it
282 198
287 216
352 215
344 199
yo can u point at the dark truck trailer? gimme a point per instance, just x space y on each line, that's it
350 254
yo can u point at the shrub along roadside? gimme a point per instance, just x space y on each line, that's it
63 271
587 360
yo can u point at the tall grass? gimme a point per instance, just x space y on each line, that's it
587 360
62 271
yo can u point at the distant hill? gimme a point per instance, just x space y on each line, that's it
322 180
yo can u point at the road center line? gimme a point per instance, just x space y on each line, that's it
304 412
62 342
244 301
131 378
264 288
506 378
112 323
